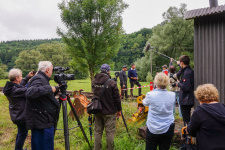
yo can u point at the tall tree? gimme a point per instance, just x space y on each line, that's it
173 37
94 30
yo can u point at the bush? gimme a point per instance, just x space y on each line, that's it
149 77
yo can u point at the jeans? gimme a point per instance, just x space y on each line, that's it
132 83
177 99
42 139
21 136
109 123
162 140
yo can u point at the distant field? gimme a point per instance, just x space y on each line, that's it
85 84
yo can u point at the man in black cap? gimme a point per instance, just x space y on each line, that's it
123 81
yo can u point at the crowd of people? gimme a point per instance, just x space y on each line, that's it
32 106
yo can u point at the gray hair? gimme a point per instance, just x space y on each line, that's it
43 65
13 73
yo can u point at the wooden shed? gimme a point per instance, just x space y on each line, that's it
209 46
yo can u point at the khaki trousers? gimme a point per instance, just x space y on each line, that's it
109 123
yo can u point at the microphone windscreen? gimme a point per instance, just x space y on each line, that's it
147 47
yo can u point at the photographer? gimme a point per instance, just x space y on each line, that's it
172 86
111 107
123 81
186 85
132 74
15 91
42 108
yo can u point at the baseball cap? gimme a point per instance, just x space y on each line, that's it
105 67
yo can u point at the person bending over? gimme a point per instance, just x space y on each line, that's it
15 90
160 120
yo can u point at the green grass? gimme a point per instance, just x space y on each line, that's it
122 141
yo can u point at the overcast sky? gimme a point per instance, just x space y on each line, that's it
38 19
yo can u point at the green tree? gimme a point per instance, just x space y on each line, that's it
56 53
173 37
3 69
94 30
28 60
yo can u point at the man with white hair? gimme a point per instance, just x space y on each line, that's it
42 108
15 91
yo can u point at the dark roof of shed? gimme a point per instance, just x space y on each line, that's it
196 13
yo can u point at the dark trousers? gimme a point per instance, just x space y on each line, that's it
42 139
123 91
132 83
186 113
21 136
162 140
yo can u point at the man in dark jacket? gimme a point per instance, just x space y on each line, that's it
111 107
123 81
15 91
186 85
42 108
132 74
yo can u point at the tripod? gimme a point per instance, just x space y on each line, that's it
63 99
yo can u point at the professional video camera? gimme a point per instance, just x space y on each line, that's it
60 77
117 75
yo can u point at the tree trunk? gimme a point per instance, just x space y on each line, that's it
92 75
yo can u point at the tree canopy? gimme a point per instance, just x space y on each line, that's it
173 37
94 29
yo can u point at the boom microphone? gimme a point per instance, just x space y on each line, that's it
147 47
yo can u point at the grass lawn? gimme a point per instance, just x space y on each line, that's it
122 140
85 84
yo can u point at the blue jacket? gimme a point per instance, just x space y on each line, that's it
186 86
132 73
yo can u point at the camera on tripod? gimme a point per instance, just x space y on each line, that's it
117 75
60 77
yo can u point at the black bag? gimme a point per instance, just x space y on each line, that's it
95 105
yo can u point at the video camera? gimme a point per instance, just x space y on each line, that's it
60 77
117 75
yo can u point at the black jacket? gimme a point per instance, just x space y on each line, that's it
186 86
208 126
42 107
123 78
111 99
15 93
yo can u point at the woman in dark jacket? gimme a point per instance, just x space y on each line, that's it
15 91
208 120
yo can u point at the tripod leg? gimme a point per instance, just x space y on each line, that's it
65 123
78 120
124 121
